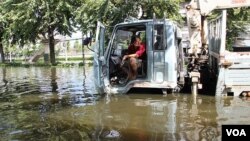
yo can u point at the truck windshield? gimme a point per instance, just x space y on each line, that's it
123 37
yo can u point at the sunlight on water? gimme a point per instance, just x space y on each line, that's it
62 104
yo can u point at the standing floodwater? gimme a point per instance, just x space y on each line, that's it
43 103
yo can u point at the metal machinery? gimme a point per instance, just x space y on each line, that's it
162 66
208 51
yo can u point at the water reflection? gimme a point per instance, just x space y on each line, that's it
60 104
157 118
53 79
4 76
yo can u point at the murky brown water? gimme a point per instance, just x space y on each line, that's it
42 104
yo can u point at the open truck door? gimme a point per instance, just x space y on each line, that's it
99 59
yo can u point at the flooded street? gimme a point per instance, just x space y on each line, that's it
50 104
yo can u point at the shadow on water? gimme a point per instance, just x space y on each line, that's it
144 91
60 104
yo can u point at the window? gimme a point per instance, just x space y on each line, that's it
121 41
123 38
158 37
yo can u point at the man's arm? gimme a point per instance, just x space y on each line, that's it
129 56
141 50
137 54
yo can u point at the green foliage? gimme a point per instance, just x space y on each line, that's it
162 8
31 18
25 21
111 12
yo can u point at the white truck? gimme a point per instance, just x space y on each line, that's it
208 49
162 67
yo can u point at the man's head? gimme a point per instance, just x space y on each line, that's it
137 42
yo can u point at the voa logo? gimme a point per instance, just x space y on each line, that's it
236 132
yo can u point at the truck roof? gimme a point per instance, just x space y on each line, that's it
136 21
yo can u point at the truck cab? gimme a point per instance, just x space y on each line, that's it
162 66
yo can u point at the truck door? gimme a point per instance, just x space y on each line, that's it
158 52
99 59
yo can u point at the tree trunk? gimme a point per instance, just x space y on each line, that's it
2 59
52 46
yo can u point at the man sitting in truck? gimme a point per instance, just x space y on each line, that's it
136 52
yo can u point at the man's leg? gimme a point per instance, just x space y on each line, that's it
134 66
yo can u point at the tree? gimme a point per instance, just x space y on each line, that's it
2 25
2 59
111 12
40 19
